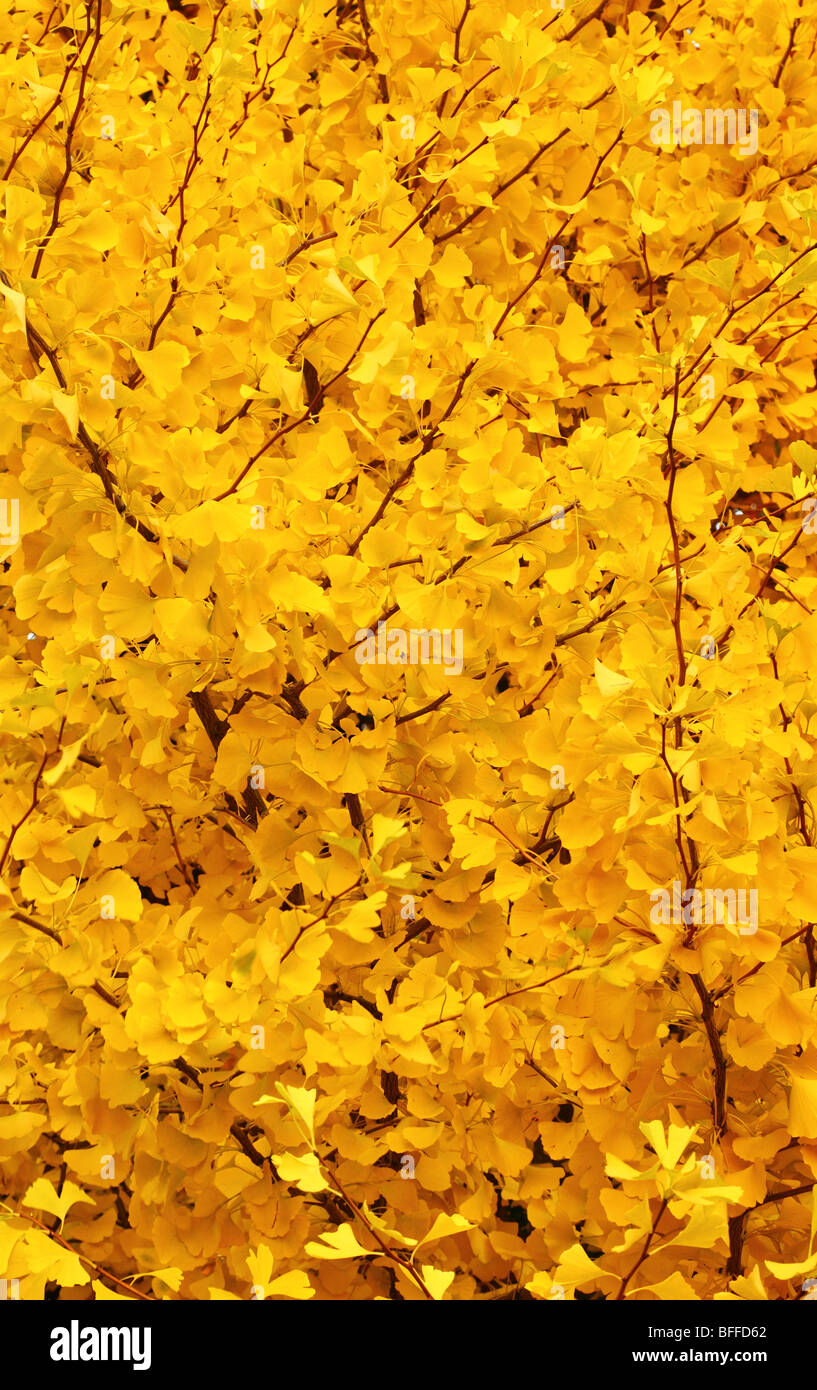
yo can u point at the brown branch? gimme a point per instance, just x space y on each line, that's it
811 947
382 84
500 998
645 1251
179 860
738 1224
194 159
792 31
35 797
588 19
737 1235
719 993
41 122
718 1058
453 569
426 709
55 936
514 178
651 292
38 347
459 29
299 419
789 1192
315 920
351 801
248 100
334 994
767 574
696 255
397 1259
54 1235
236 1128
588 626
307 242
744 304
38 926
215 729
43 244
676 549
545 841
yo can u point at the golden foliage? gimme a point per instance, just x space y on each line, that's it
341 978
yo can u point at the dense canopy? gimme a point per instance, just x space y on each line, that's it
407 817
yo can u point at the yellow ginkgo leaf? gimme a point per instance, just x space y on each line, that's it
341 1244
610 682
44 1196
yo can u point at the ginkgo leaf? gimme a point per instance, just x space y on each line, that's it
17 302
671 1145
162 366
333 299
674 1288
44 1196
295 1284
437 1281
790 1271
445 1225
610 682
803 1106
305 1172
98 230
341 1244
103 1294
575 1268
300 1102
